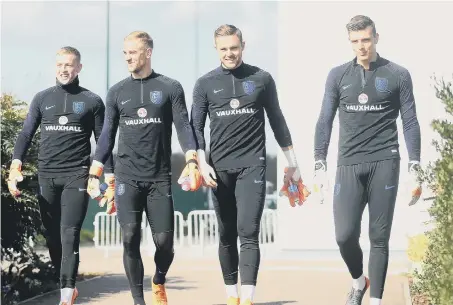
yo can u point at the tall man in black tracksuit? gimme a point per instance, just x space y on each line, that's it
369 93
143 107
236 95
68 115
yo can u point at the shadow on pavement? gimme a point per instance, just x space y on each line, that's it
102 287
173 282
106 286
270 303
276 303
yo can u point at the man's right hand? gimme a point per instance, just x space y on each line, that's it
93 189
207 172
191 173
293 187
15 175
320 181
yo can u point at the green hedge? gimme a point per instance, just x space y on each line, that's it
436 278
24 273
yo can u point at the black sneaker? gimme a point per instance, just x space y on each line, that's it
355 296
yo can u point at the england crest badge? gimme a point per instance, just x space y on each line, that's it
248 86
156 97
381 84
78 107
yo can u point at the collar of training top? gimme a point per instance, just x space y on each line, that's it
70 87
236 71
152 75
374 64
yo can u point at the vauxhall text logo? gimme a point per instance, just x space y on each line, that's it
63 120
234 104
142 113
363 100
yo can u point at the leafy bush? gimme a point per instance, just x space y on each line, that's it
86 237
436 280
23 271
418 245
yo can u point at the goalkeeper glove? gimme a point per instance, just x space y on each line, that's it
320 181
108 190
190 179
93 189
293 187
415 185
15 175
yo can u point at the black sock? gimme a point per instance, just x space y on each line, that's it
139 301
159 278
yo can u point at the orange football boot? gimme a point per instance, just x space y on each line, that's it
159 294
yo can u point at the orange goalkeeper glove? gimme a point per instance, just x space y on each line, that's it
293 187
190 179
15 175
109 194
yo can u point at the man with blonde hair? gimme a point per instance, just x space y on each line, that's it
68 114
143 108
236 95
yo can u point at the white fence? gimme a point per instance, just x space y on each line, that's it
202 230
107 232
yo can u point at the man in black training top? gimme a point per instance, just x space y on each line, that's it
143 107
369 92
68 115
235 96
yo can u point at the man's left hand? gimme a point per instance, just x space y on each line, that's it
415 184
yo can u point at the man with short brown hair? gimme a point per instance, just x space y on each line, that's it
236 95
369 93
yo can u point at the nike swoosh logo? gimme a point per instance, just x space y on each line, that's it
124 102
389 187
47 108
215 91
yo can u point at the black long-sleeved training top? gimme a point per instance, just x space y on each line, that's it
235 101
369 102
144 110
68 115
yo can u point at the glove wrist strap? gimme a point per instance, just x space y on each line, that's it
192 161
413 166
96 169
321 165
191 155
16 164
109 179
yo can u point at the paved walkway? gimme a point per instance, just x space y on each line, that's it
195 280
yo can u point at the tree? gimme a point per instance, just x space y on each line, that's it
23 271
436 278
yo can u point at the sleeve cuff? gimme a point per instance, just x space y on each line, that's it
291 157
